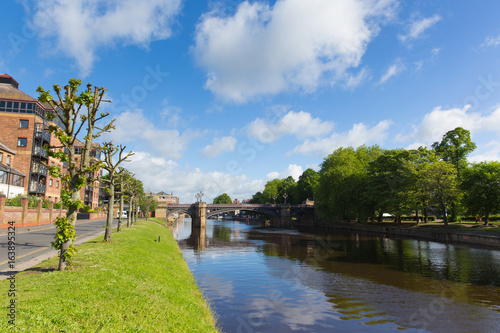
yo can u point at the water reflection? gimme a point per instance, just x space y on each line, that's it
261 280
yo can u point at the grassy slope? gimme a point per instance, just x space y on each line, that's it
132 284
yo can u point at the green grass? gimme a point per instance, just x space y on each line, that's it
131 284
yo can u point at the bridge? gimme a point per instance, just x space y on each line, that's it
280 216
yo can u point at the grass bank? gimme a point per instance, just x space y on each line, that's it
132 284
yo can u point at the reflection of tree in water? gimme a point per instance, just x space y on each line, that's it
421 266
221 232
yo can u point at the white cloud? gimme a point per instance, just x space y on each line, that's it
219 146
418 27
300 124
396 68
491 41
436 123
133 127
488 152
159 174
359 135
353 81
81 27
295 44
293 170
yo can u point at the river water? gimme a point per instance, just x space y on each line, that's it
265 280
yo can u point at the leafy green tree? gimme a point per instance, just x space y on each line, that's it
481 187
287 190
68 106
440 178
454 148
224 198
306 185
392 181
342 182
148 205
258 198
271 191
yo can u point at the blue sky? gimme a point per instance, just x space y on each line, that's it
222 96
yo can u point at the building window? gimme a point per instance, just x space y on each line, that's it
24 123
50 182
8 160
22 142
1 157
57 184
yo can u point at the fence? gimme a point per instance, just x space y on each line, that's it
26 217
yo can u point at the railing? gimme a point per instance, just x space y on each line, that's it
43 135
38 188
37 168
40 152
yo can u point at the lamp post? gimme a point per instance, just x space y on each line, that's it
284 197
274 198
199 196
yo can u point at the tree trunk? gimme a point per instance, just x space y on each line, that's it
109 222
71 216
426 215
443 210
121 208
129 213
380 216
417 217
487 218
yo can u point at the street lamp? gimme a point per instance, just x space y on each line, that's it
199 196
284 197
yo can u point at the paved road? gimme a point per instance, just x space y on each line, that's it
33 244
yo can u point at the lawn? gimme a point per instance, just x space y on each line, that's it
132 284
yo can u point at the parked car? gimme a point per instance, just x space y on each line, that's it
124 214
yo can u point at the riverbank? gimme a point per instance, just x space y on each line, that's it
138 282
464 233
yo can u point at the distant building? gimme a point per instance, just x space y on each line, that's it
236 201
163 197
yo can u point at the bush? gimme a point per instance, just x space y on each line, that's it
57 205
16 201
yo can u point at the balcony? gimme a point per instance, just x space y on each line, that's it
36 188
40 169
43 135
38 151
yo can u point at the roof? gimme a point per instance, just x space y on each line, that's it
9 90
7 149
11 170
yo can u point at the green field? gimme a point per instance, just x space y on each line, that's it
132 284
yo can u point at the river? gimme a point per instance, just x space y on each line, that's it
268 280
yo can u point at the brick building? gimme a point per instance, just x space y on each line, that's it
23 129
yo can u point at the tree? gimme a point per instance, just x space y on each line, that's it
271 191
481 186
148 205
258 198
109 152
440 178
341 179
224 198
134 190
68 112
306 185
454 148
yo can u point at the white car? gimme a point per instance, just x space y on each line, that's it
124 214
